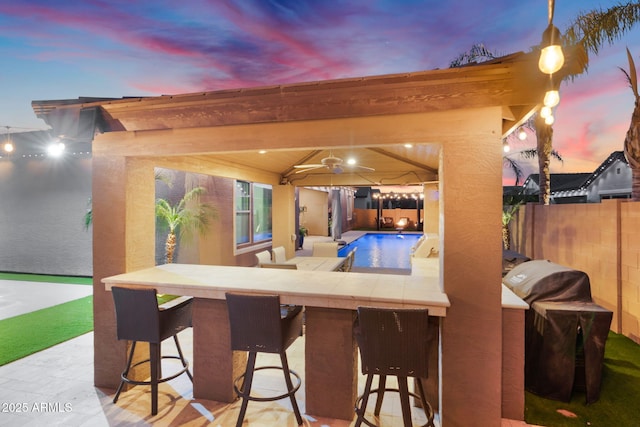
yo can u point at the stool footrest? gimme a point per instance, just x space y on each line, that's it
428 410
184 369
248 396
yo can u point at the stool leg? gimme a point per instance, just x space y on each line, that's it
365 398
154 350
428 411
287 379
382 384
184 361
125 372
404 401
246 386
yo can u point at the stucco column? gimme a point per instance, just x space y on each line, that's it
123 240
471 254
283 217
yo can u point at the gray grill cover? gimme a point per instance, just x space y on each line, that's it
542 280
562 325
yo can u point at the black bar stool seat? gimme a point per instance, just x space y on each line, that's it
140 319
259 324
393 342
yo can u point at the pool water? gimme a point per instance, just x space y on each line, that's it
382 250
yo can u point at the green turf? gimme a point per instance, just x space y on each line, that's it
31 332
619 393
73 280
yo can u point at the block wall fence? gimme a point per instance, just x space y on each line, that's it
601 239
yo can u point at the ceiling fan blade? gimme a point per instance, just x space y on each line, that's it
312 167
318 165
364 168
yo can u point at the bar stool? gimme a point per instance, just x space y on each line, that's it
393 342
257 325
140 319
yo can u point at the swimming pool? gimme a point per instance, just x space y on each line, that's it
382 250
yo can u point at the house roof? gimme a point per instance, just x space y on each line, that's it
577 183
560 181
615 156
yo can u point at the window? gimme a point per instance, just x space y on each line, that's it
253 213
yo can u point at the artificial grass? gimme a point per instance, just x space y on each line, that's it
29 333
619 393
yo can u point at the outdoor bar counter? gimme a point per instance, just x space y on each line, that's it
330 300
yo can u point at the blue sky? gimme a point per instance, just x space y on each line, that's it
61 49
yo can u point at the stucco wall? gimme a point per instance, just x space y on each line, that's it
601 239
42 204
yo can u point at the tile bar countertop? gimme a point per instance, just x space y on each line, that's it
316 289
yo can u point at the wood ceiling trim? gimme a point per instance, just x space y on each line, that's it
403 159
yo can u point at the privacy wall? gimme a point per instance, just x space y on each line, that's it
42 205
601 239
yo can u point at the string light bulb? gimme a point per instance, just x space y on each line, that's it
8 144
522 134
545 112
551 98
551 56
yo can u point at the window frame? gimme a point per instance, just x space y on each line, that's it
251 245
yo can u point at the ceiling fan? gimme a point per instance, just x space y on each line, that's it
334 164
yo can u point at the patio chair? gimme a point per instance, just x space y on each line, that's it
393 342
140 319
264 257
257 326
327 249
279 255
387 222
348 263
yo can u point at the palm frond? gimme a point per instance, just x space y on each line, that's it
514 166
477 53
632 76
597 27
87 219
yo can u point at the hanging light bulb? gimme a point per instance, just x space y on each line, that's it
505 146
551 98
522 134
56 148
8 144
545 112
549 120
551 56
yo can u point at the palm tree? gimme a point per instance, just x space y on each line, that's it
508 211
591 30
184 217
632 140
588 32
531 153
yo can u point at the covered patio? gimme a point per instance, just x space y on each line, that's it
455 120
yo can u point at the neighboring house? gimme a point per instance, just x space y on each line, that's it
610 180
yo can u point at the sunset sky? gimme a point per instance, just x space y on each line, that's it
61 49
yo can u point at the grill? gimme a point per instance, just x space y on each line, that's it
565 331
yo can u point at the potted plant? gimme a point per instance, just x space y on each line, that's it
302 231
